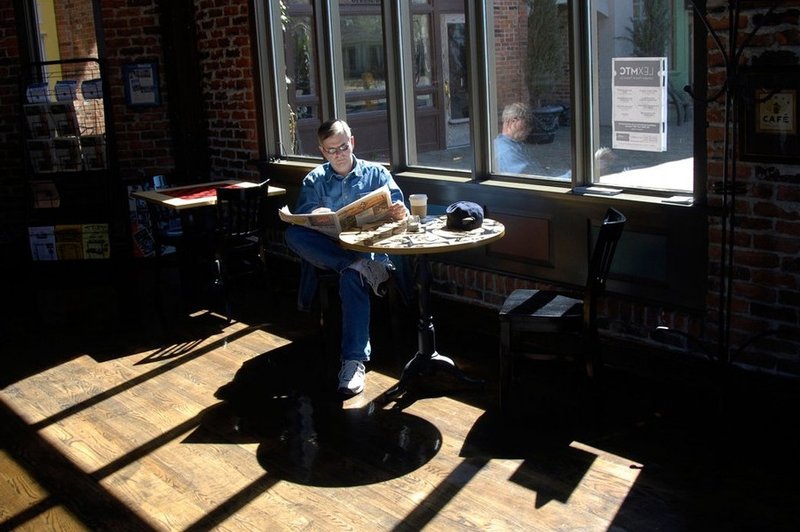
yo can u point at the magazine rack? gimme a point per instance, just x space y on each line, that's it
67 159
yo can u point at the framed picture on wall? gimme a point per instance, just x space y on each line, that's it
769 123
141 84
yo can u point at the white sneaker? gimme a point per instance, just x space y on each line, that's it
351 377
375 273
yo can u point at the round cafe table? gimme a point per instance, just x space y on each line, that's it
432 237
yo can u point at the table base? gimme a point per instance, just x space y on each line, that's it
423 364
427 360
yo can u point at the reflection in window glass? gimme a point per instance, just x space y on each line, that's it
365 81
443 112
424 92
533 90
51 20
422 51
301 79
645 126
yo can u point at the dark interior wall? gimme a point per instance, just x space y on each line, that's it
13 236
144 145
183 76
225 49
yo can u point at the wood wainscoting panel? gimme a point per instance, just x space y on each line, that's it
527 238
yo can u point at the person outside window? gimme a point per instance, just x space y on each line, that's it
509 146
329 187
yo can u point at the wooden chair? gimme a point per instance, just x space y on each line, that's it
553 325
166 229
240 232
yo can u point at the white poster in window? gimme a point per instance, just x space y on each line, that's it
639 109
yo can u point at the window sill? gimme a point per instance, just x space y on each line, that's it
550 190
300 168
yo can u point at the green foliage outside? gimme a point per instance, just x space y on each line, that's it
650 31
545 60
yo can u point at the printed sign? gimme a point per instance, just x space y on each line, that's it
141 84
639 108
776 112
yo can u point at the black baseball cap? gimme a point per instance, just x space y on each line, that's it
464 216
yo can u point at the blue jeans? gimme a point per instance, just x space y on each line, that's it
325 253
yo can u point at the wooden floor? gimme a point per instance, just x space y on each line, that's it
131 423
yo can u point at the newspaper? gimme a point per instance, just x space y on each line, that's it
365 211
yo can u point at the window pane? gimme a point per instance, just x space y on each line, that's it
645 131
57 37
364 65
301 78
533 89
442 93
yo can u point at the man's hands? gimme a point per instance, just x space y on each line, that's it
398 211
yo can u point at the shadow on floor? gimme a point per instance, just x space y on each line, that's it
286 401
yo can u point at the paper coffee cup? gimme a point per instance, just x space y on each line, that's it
419 204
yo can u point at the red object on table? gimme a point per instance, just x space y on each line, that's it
200 191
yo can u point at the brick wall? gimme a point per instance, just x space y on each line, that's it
765 267
511 49
510 21
142 134
144 139
12 191
76 31
223 32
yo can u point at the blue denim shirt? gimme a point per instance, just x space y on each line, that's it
322 187
512 158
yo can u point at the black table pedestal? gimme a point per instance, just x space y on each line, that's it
427 360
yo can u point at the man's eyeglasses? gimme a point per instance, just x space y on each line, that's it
340 149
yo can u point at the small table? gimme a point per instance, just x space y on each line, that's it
187 199
192 203
193 196
433 237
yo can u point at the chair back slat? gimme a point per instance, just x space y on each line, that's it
600 260
604 248
241 212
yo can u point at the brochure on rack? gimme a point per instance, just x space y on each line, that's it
367 210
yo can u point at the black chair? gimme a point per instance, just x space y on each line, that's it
167 233
240 233
553 325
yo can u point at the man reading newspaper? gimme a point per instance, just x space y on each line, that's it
339 182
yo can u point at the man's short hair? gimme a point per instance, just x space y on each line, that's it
515 110
331 128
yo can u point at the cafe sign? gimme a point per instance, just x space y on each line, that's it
776 112
769 125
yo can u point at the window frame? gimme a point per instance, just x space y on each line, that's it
400 93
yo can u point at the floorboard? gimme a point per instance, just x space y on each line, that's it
200 424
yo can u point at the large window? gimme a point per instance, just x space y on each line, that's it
302 81
364 75
642 116
558 92
534 98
